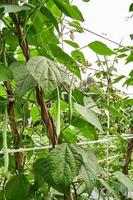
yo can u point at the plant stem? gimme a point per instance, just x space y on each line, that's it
11 115
5 146
39 95
128 155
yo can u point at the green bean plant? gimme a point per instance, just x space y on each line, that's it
48 113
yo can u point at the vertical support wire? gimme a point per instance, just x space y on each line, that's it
5 145
109 86
108 126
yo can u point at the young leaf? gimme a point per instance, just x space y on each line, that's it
61 166
88 115
76 25
24 80
69 10
79 56
71 43
17 187
47 73
100 48
65 59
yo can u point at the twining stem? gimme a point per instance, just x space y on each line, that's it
11 115
70 99
5 146
128 155
46 117
39 95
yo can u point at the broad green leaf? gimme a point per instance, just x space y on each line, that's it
100 48
131 36
47 73
17 187
45 11
65 59
110 189
38 21
46 36
128 102
88 115
114 111
76 25
131 8
69 10
90 104
69 135
124 180
41 30
79 56
86 0
131 73
122 55
5 73
38 171
71 43
78 96
119 78
89 169
35 114
129 58
2 105
85 128
1 12
128 82
14 8
61 166
54 9
1 194
24 80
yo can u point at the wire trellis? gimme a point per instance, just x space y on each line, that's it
37 148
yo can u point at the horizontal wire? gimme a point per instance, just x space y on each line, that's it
103 93
110 158
50 146
98 35
98 70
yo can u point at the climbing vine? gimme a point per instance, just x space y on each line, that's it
58 132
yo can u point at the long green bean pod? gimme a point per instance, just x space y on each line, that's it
5 146
58 112
70 100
